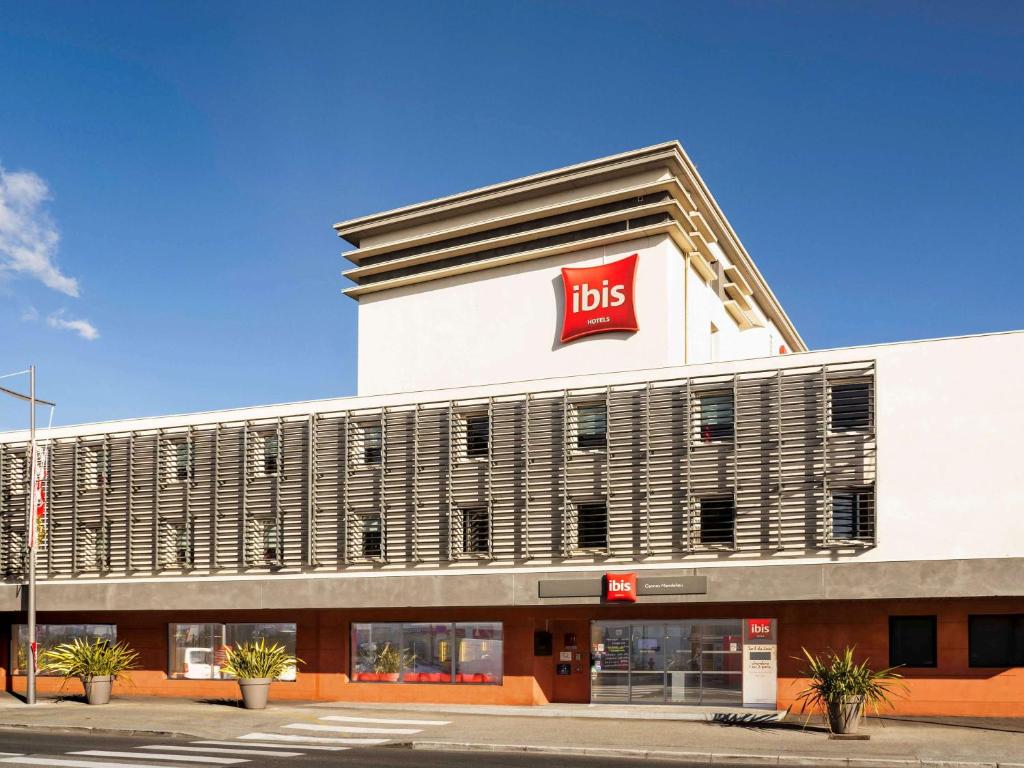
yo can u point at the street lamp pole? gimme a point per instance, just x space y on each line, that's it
31 531
30 680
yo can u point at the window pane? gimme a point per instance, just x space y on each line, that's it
270 449
430 645
49 636
197 651
716 416
851 406
479 652
477 436
717 518
912 641
372 440
853 514
592 521
476 531
374 647
281 634
591 425
996 640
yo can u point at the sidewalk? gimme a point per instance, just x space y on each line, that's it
894 742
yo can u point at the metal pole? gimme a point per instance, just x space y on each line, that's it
30 692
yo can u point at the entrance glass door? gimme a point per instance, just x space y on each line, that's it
678 662
609 654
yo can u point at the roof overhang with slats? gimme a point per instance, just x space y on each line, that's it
650 191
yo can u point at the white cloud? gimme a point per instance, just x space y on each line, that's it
28 236
30 314
83 328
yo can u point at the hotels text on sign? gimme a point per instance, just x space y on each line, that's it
620 587
599 299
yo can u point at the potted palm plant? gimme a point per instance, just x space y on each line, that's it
840 688
98 664
390 661
255 665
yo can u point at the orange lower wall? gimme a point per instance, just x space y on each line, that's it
952 688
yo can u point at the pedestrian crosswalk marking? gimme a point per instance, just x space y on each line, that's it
382 720
56 762
223 751
352 729
162 756
318 747
312 739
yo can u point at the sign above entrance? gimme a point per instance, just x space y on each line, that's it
620 588
643 586
599 299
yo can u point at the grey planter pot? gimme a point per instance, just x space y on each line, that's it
97 688
845 716
255 692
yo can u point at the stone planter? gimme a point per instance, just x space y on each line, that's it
97 688
844 716
255 692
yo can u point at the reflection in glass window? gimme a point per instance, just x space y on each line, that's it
716 416
49 636
198 651
591 426
427 653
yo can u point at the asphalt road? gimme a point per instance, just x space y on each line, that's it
62 749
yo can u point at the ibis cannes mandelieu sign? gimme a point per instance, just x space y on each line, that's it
599 299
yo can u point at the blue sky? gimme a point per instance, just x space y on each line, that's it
193 156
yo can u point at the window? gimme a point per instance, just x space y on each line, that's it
592 525
198 651
443 652
717 521
996 640
912 641
850 406
367 445
175 547
179 468
49 636
271 456
93 467
476 531
262 542
366 536
478 433
853 514
715 410
591 426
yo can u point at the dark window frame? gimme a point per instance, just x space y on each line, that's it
711 426
894 644
478 435
854 412
592 511
476 531
591 440
715 535
1014 641
862 513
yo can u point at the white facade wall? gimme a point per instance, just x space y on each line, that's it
503 324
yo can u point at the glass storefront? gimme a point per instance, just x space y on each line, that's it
658 662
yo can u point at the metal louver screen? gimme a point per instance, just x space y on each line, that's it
760 462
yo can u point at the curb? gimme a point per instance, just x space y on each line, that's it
96 729
706 759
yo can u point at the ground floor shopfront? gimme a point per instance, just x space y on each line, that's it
967 651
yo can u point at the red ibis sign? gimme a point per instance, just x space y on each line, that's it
599 299
620 587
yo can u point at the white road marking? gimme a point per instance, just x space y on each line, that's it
312 739
352 729
382 721
260 752
273 746
59 763
155 756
